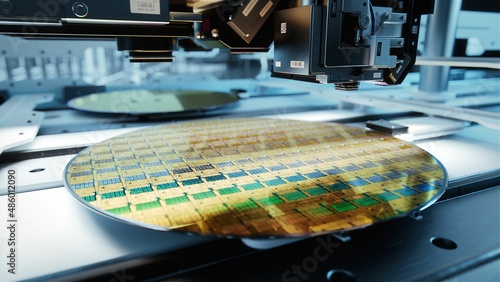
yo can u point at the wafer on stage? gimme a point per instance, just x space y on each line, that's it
254 177
144 102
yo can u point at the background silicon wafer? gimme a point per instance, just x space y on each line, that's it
141 101
255 177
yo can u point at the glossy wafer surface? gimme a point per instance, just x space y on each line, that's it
142 102
255 177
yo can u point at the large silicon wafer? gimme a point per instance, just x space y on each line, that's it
255 177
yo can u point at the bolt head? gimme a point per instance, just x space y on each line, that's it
215 33
6 7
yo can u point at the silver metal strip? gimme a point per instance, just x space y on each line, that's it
111 22
185 17
466 62
27 23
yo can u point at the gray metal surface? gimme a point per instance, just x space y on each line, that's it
19 124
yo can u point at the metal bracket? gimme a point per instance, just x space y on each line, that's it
264 244
19 124
342 237
388 127
416 215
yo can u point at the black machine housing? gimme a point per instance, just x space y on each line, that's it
344 42
328 41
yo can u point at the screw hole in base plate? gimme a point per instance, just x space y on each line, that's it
340 275
443 243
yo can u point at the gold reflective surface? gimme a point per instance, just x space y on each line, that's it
142 101
255 177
